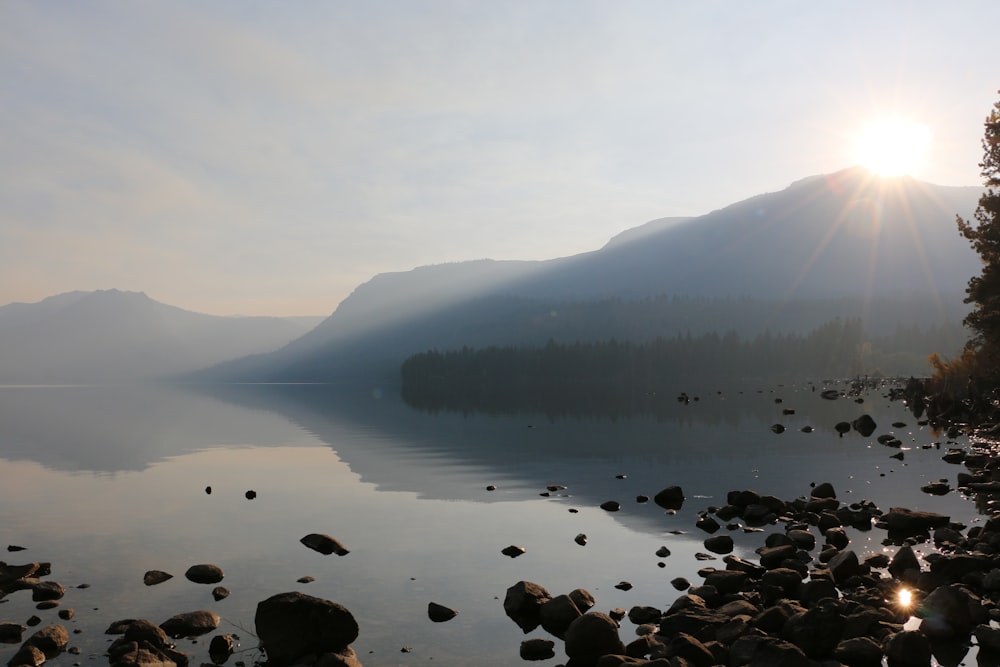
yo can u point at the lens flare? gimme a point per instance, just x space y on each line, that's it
905 597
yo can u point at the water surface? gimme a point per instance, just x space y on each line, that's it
109 482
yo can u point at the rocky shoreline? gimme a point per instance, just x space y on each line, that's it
808 598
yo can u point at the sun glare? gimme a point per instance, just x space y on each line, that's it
905 597
892 147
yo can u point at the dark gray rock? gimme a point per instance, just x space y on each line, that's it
909 648
719 544
556 615
903 522
50 640
945 613
864 425
324 544
859 652
220 593
592 635
823 490
644 614
154 577
513 551
538 649
47 590
191 624
440 613
11 633
671 498
204 573
221 647
523 602
292 625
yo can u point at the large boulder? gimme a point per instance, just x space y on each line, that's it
592 635
523 604
292 625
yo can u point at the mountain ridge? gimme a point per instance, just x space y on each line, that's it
119 336
846 235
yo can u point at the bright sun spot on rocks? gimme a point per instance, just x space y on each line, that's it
905 597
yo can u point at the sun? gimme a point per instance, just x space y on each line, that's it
892 146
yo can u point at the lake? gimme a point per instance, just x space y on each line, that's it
107 482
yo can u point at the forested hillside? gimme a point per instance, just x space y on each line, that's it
623 376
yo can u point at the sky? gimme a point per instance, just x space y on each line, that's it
265 158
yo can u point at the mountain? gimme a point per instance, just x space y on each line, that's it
115 336
840 245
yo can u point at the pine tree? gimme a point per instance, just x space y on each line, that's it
983 290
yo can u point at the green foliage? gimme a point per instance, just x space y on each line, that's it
983 291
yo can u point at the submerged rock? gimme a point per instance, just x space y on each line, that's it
292 625
324 544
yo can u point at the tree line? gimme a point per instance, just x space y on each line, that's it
613 372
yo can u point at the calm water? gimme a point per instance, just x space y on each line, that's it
109 482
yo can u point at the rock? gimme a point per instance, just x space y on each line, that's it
33 621
221 647
10 633
611 506
690 649
592 635
220 593
306 579
154 577
581 539
14 547
141 630
662 552
902 522
680 583
439 613
641 615
250 495
938 488
859 652
513 551
582 598
66 614
191 624
47 590
988 638
670 498
904 564
909 648
523 602
719 544
842 428
537 649
844 565
864 425
50 640
27 656
324 544
823 490
773 652
557 614
205 573
292 625
623 586
816 631
945 613
707 523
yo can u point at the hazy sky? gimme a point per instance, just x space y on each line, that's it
267 157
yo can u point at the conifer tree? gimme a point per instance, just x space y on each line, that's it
983 291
